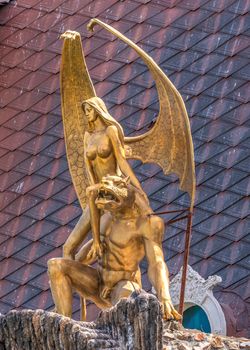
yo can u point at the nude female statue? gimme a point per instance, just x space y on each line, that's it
104 154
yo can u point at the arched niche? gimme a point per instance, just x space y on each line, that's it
199 292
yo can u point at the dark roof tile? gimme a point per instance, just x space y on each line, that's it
243 72
7 179
13 142
220 202
20 37
208 150
9 265
215 22
4 50
118 9
206 171
54 168
20 295
25 273
237 230
69 23
33 252
235 136
242 93
6 198
66 214
27 99
47 103
55 252
13 245
206 63
239 115
230 157
219 108
242 187
213 130
15 57
140 119
241 7
37 60
234 45
47 5
240 209
105 69
182 60
4 218
7 113
144 13
4 133
58 237
244 165
41 41
167 16
225 179
8 95
9 12
73 6
191 19
49 188
68 195
218 6
49 20
50 85
32 80
32 164
212 42
104 88
42 124
42 301
237 26
224 87
210 246
208 267
163 37
188 39
44 208
16 225
12 159
233 252
214 224
199 84
28 3
7 32
196 105
6 287
11 76
27 183
93 9
38 144
38 229
22 204
25 18
41 281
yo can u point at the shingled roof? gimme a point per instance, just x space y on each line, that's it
203 46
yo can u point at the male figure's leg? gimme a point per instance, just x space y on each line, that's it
65 275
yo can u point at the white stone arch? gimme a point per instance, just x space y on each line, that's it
199 292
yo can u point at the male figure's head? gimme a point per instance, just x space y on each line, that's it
115 193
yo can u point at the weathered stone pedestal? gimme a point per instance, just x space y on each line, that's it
133 324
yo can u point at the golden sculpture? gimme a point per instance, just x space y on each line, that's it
115 207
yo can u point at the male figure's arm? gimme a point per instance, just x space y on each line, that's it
157 269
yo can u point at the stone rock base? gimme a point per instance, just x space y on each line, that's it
133 324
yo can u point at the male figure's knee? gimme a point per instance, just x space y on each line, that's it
54 266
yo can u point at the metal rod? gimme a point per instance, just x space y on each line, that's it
185 262
178 219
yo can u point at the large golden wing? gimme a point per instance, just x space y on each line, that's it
76 86
169 142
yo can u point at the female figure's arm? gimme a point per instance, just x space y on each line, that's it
90 172
120 156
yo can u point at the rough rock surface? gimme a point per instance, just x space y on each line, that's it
133 324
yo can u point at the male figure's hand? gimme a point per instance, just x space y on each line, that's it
169 312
